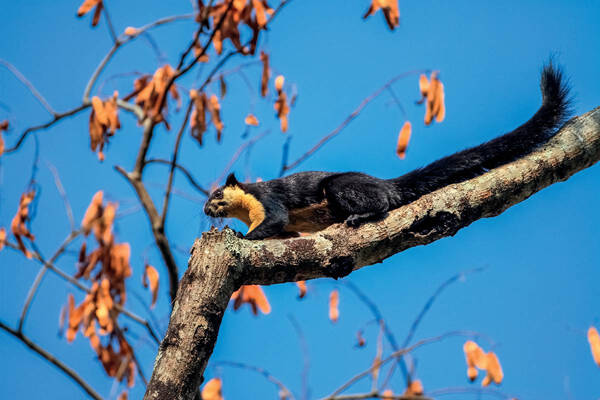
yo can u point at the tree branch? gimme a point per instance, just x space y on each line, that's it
220 262
53 360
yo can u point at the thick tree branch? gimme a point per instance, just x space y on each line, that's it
221 262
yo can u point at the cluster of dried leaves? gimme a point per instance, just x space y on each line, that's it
18 226
478 359
390 10
151 93
97 314
432 93
104 122
87 6
198 121
252 13
281 105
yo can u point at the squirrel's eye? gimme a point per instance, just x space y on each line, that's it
218 194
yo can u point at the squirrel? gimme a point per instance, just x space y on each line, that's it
311 201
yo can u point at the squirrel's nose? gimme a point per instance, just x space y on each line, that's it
207 208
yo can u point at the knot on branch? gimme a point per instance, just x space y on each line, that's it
441 223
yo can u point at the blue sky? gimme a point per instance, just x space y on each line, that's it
536 297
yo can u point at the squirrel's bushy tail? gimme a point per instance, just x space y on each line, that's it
475 161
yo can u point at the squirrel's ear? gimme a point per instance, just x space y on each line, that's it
231 180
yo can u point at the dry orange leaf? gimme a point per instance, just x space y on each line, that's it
252 295
415 388
390 9
212 390
3 127
282 109
123 396
387 394
150 277
594 340
251 120
198 116
334 312
494 370
279 81
476 358
360 339
93 212
302 289
433 91
403 139
18 225
131 31
215 114
222 87
2 238
266 74
87 6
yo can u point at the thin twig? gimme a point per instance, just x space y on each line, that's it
431 300
29 85
380 320
284 392
98 70
63 194
111 29
181 168
305 356
173 164
377 395
395 355
134 179
82 287
246 145
472 390
348 119
53 360
41 273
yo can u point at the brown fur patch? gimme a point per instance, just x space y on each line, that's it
313 218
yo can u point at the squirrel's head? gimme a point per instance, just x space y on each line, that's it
225 199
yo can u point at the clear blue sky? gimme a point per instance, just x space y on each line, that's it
535 300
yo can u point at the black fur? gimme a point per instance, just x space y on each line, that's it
357 198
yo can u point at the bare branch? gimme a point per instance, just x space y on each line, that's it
393 356
40 275
305 357
284 391
173 165
246 145
63 195
46 125
37 256
111 29
53 360
187 173
349 119
29 85
160 238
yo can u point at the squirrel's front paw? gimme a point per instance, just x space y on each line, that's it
354 221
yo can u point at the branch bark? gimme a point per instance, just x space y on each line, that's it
220 262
